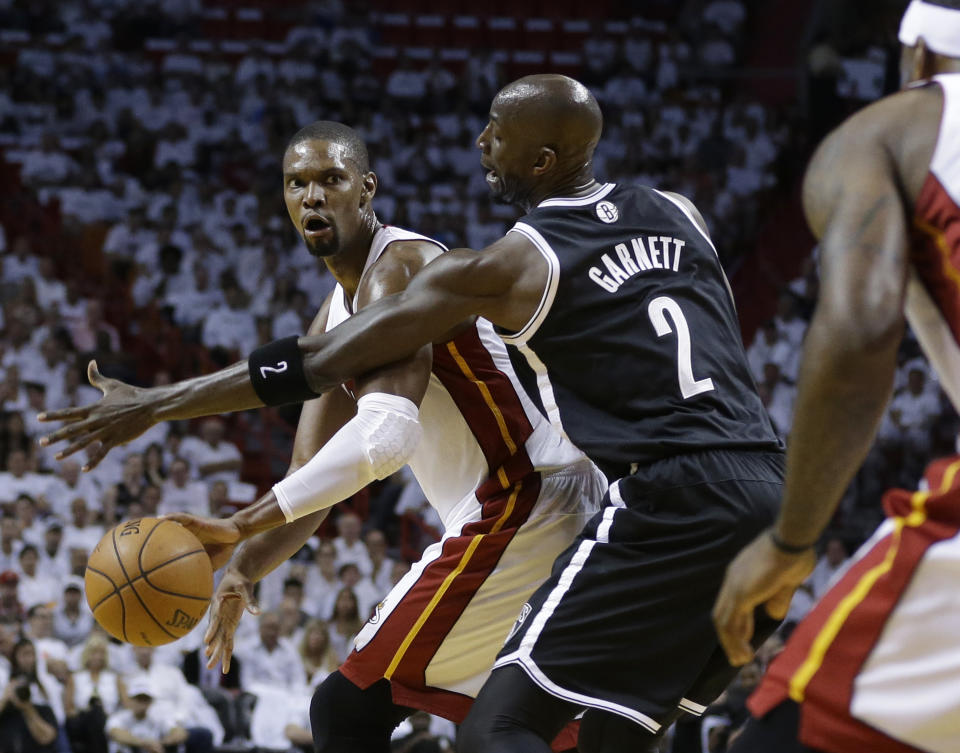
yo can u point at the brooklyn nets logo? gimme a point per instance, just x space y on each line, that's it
524 613
608 212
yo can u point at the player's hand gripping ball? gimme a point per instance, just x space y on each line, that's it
149 581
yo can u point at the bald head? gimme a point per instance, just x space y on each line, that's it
560 110
540 140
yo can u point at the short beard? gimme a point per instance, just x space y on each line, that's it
324 249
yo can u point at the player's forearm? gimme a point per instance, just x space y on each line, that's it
844 385
225 391
440 296
260 555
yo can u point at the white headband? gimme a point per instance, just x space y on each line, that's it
938 25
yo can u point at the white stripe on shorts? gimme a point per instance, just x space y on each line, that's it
690 707
523 656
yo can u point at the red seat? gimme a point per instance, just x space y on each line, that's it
430 30
467 32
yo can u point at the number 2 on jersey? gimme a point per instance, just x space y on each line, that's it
658 308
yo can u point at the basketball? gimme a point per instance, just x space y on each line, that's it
148 581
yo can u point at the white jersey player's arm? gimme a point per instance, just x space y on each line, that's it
383 434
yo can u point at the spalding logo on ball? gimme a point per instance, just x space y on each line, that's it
149 581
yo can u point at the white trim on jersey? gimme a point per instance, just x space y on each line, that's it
683 208
523 655
686 211
945 163
579 201
550 289
545 388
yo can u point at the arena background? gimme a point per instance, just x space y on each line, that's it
142 223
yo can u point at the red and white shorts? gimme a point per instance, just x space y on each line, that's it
875 666
436 634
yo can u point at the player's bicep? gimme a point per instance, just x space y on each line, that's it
503 283
854 204
391 274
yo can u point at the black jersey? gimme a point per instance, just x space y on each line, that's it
635 348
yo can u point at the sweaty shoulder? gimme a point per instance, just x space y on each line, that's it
897 134
397 265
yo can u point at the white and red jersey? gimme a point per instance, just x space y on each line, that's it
933 293
479 426
876 663
512 494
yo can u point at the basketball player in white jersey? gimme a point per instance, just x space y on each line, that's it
875 666
511 491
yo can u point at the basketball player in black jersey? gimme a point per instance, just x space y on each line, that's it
618 307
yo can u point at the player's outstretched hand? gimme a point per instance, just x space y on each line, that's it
219 536
123 413
760 574
233 595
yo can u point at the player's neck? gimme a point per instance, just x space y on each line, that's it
580 186
348 265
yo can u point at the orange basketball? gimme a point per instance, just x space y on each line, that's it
149 581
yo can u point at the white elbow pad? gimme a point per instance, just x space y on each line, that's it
390 431
376 442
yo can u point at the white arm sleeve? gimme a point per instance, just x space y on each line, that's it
373 444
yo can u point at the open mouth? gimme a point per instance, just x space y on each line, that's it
316 226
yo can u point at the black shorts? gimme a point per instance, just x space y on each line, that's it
623 623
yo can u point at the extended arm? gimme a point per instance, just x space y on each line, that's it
503 283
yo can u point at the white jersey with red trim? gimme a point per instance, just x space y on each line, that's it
478 422
933 292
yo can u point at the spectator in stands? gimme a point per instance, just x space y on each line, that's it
316 653
87 332
81 532
10 541
348 544
19 479
53 556
322 582
14 436
11 610
215 458
344 623
767 347
381 566
270 660
832 560
130 486
367 595
72 620
143 726
182 494
27 722
789 324
91 695
221 690
172 693
68 484
31 527
230 325
778 397
420 738
34 587
154 470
